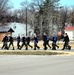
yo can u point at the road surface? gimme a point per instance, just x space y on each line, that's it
36 65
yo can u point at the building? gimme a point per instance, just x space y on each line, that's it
20 28
70 31
4 30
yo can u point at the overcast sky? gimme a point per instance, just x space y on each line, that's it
16 3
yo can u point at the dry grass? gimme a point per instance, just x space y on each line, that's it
30 52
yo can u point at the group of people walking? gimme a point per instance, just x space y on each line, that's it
26 42
8 41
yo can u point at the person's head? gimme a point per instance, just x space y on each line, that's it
44 33
22 35
34 34
18 34
9 35
53 34
28 35
66 34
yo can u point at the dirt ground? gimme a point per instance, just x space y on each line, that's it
40 44
59 44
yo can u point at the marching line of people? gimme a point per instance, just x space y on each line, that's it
8 41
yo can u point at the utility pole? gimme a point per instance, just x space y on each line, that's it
26 21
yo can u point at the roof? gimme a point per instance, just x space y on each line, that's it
6 29
70 28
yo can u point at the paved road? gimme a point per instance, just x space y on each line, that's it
36 65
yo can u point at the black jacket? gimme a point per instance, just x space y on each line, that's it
28 39
11 39
23 39
66 39
44 38
5 39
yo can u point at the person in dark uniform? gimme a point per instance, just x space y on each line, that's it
28 42
11 41
45 41
66 42
54 45
24 42
5 41
48 41
36 42
18 41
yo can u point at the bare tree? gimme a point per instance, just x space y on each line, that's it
40 15
4 7
72 15
64 17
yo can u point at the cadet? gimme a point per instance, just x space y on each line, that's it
48 41
28 41
35 42
66 42
18 41
44 41
5 40
54 39
11 41
23 42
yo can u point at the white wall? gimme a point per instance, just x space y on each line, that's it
20 28
70 34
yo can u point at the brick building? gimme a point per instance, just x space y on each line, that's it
4 30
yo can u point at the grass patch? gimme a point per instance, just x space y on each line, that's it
31 52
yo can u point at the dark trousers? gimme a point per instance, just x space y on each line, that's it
66 45
48 44
54 46
11 43
28 44
23 45
18 45
4 45
36 46
44 44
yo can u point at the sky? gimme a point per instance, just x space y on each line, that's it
16 3
67 2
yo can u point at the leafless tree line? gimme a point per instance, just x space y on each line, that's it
4 10
43 15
